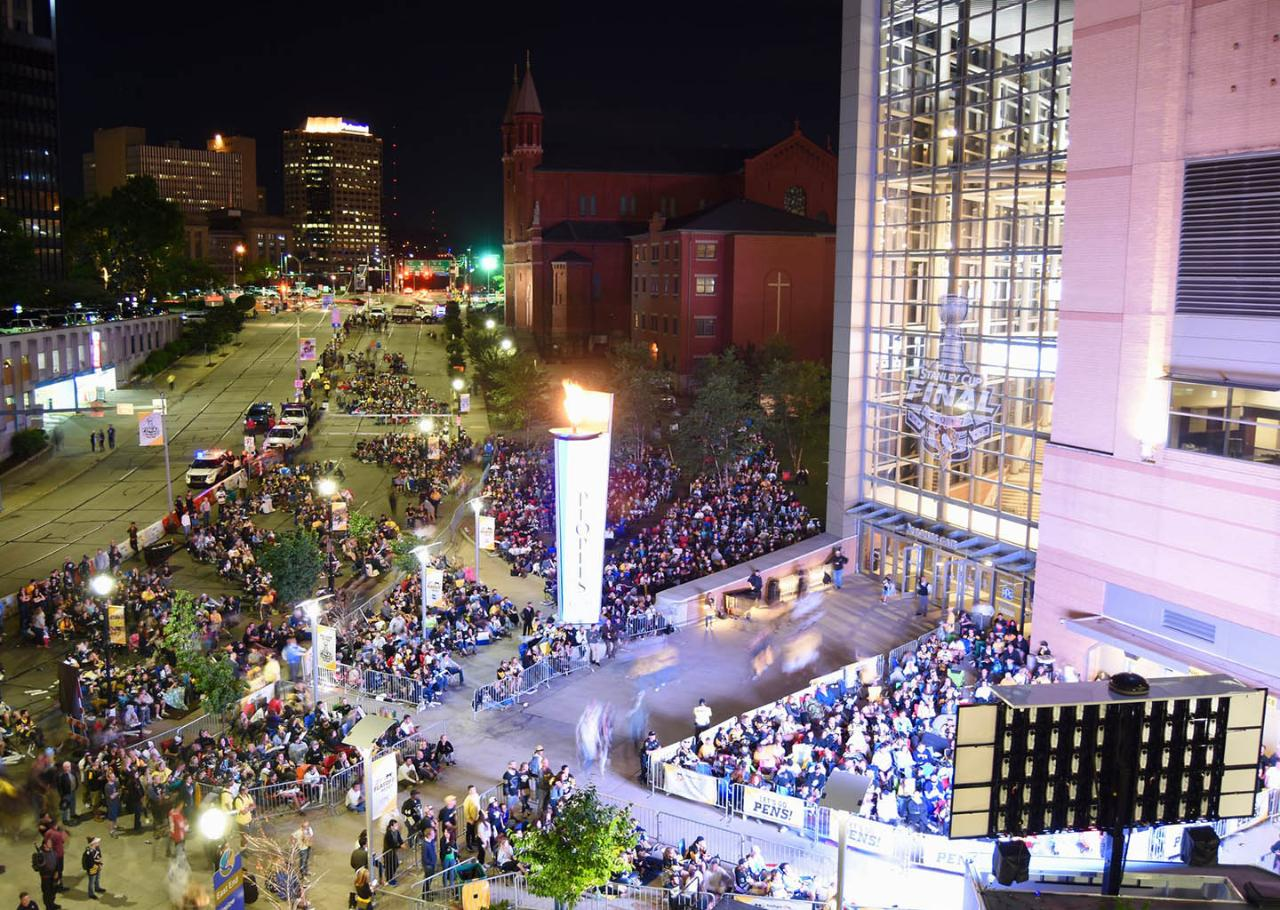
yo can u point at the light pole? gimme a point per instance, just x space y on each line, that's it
423 552
328 487
237 252
507 345
488 263
313 611
212 823
477 506
458 386
102 586
490 324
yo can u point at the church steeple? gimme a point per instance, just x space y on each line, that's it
527 101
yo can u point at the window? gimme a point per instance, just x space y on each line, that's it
586 204
627 205
794 200
704 326
705 250
652 281
654 250
675 325
1221 420
664 325
704 284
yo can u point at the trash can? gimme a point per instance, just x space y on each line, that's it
157 553
772 591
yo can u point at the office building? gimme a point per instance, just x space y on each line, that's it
333 193
1056 391
247 148
195 180
949 248
29 125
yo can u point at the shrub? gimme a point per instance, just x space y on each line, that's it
29 442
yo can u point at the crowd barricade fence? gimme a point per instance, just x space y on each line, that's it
642 625
504 693
290 796
210 723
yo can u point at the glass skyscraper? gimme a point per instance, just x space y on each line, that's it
963 281
29 125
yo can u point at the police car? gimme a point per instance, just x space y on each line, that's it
208 467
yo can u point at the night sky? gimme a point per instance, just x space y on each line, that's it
433 78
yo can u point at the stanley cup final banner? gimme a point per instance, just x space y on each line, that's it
327 645
306 349
383 787
487 529
435 585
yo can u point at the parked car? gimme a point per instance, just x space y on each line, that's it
297 414
260 417
284 436
208 467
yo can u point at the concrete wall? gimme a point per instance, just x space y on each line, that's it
1153 84
855 195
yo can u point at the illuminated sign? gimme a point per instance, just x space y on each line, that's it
582 491
335 125
948 404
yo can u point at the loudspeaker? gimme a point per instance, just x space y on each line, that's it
1011 862
1200 846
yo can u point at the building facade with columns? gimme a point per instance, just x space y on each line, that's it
72 367
1055 382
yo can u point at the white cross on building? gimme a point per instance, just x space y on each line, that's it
778 283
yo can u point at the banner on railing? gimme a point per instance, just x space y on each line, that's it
327 645
773 807
383 785
689 784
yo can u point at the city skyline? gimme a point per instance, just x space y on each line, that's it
688 85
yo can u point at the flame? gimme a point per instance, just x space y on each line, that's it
584 408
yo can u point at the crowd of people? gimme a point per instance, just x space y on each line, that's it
900 733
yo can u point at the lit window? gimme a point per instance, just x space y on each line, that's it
704 284
705 250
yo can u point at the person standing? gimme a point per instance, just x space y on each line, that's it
392 841
838 562
922 598
471 815
177 831
526 619
93 441
67 786
391 500
701 718
47 865
430 855
111 436
303 839
92 864
102 441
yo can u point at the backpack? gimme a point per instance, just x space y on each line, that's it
37 861
86 860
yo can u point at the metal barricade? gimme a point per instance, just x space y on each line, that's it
338 783
189 730
504 693
640 626
289 796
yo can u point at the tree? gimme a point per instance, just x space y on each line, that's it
797 397
519 392
181 630
17 261
583 849
642 392
295 563
125 238
724 406
219 683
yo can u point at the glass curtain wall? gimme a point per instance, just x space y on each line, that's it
967 262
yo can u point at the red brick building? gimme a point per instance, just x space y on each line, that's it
568 216
736 273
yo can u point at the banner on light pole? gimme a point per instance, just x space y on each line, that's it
306 349
115 624
486 532
464 403
327 647
382 796
435 585
151 429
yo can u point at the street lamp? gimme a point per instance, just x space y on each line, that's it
313 610
212 824
457 385
102 586
423 552
506 344
477 506
490 324
328 487
426 424
488 263
235 260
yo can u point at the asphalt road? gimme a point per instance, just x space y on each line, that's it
76 502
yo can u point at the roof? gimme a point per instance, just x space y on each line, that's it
507 115
593 231
641 160
742 216
527 100
571 256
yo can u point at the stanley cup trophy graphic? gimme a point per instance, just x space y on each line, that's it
946 402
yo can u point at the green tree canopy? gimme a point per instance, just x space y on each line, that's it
519 392
18 266
640 390
583 849
796 395
724 405
295 563
125 238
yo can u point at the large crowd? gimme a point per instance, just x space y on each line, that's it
899 733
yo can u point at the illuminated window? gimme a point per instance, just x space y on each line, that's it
704 284
705 250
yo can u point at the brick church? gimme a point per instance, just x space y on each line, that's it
737 246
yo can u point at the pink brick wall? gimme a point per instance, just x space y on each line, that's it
1151 87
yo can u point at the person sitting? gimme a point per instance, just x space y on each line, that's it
355 798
